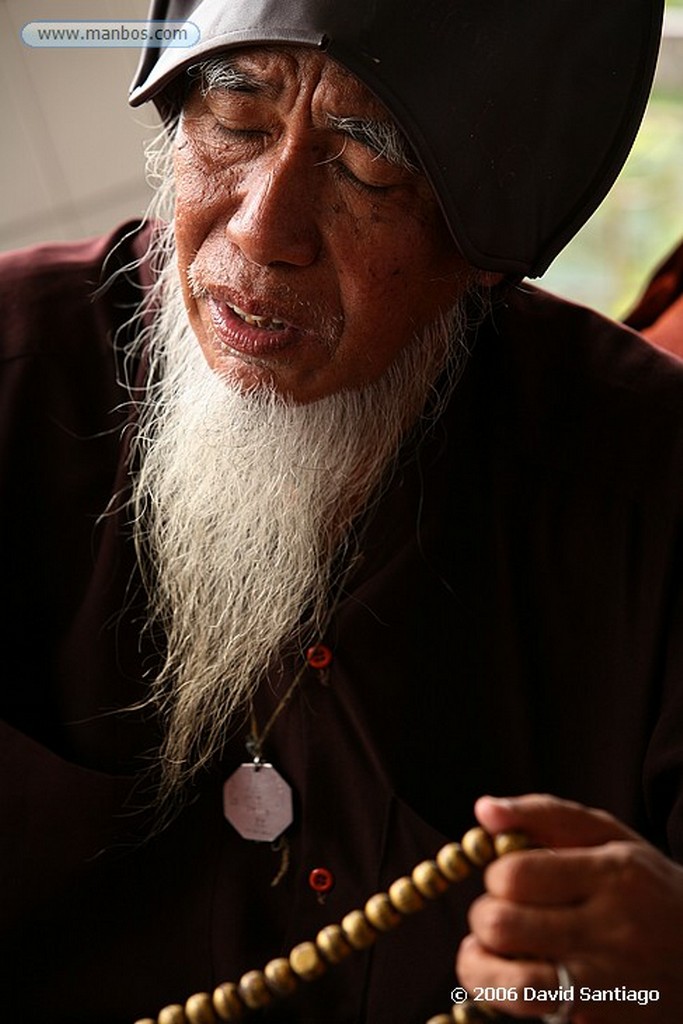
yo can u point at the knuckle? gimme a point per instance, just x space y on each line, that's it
466 953
625 864
575 927
514 876
475 911
468 962
497 925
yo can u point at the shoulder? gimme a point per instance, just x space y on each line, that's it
583 393
556 337
68 313
54 295
84 261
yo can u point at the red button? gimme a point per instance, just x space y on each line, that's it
319 656
321 880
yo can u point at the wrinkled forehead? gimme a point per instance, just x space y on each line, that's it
284 74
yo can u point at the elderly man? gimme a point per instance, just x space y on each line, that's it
319 524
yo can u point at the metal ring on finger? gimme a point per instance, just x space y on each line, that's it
566 986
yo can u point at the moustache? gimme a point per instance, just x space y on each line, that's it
256 293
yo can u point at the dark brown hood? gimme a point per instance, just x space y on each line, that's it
522 114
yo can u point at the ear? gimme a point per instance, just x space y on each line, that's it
487 278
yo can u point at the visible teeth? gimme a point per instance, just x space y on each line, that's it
269 323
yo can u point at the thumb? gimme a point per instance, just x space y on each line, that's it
549 821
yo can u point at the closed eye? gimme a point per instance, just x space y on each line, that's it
346 174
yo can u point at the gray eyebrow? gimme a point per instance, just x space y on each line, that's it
221 74
383 137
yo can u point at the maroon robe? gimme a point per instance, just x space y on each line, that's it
514 625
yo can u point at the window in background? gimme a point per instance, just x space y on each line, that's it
608 262
73 161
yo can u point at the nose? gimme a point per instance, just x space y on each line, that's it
274 219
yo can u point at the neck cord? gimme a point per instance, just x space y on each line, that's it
316 657
255 740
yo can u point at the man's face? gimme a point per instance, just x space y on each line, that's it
312 258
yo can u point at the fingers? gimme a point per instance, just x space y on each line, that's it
543 903
600 900
544 877
512 930
550 821
518 982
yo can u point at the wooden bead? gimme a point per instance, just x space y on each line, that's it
333 944
453 863
227 1002
280 978
463 1014
306 961
173 1014
146 1020
510 842
358 930
474 1013
254 990
405 896
381 912
428 880
199 1009
441 1018
478 847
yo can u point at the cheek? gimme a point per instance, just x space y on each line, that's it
404 277
189 193
394 296
202 192
190 176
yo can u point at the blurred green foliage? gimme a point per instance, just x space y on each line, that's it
609 261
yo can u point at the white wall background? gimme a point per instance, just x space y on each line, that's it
72 151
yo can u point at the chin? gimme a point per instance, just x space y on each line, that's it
254 379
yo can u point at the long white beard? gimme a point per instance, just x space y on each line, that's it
243 505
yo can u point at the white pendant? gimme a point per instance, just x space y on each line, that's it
258 802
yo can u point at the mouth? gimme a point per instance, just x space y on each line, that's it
247 333
267 323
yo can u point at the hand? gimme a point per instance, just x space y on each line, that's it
597 898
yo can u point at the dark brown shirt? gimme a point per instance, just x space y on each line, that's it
514 625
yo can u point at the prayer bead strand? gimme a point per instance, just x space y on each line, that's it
359 929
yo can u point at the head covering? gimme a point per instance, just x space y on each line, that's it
521 113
